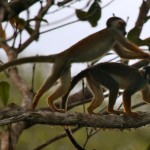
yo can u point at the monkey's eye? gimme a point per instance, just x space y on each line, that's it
122 26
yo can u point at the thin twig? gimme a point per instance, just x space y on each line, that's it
54 139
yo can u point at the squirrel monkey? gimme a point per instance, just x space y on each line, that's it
88 49
114 76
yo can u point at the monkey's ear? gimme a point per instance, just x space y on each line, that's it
121 23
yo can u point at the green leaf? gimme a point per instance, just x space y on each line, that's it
132 34
4 92
82 15
94 14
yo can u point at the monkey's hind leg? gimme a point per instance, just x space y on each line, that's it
107 81
97 94
61 90
45 87
56 73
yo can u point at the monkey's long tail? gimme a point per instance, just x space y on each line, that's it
75 80
33 59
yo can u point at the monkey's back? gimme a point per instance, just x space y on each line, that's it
126 76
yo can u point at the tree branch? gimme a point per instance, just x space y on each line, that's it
35 34
14 113
15 7
144 9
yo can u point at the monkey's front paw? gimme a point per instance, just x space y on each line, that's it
54 109
132 114
29 109
60 110
116 112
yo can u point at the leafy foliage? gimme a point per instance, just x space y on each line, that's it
4 92
92 15
132 36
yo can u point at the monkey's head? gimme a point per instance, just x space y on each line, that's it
118 23
146 72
